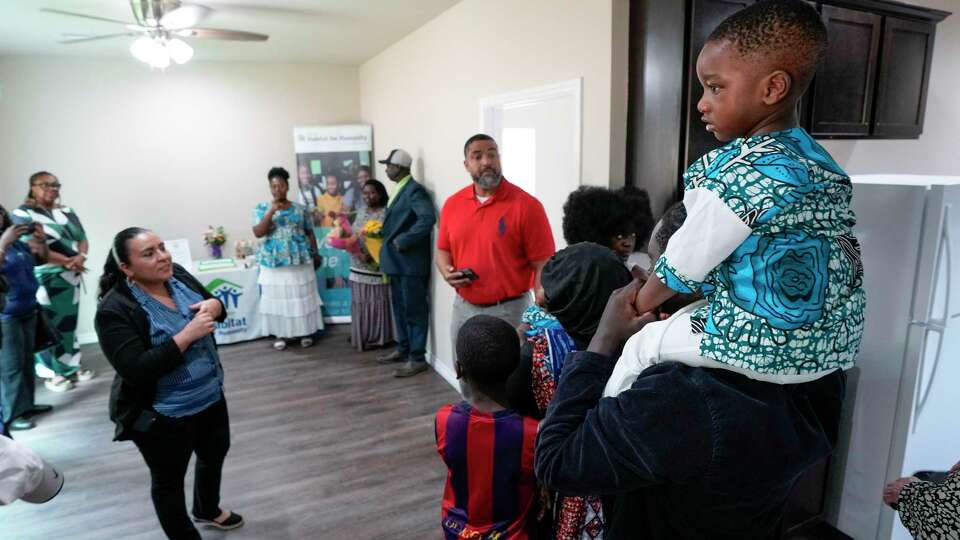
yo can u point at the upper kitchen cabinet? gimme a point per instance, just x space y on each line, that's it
907 52
873 82
842 101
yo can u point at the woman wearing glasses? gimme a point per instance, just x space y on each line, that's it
60 278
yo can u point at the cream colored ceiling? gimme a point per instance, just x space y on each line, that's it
329 31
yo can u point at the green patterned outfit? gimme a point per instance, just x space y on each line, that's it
768 239
59 292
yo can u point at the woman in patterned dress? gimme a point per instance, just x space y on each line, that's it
371 320
289 301
927 509
60 279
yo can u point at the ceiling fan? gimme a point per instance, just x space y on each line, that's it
158 27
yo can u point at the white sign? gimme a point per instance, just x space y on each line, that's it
318 139
238 290
179 249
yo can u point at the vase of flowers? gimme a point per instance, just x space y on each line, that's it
373 238
214 238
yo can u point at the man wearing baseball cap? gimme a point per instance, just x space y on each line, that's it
24 475
405 258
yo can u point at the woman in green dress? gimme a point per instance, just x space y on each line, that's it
60 279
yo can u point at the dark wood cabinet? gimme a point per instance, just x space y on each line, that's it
904 77
704 17
872 84
842 92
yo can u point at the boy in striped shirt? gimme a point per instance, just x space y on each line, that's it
491 490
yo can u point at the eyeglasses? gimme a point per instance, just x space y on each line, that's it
48 185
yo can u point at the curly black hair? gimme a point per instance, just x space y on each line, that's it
638 201
279 173
789 33
596 214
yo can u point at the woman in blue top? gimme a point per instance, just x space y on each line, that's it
18 322
155 323
288 258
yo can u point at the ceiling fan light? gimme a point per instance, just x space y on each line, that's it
143 49
160 60
179 51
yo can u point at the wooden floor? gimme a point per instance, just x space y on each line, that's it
325 444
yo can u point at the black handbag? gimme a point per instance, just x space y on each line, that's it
46 335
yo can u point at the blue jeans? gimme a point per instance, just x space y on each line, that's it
16 366
411 311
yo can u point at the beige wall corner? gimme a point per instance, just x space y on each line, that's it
422 93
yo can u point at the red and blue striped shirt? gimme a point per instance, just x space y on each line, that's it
491 489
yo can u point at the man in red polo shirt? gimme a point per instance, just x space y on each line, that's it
494 238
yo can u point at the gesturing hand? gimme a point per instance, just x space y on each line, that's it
891 493
620 318
210 306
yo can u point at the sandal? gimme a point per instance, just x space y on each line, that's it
58 384
86 374
232 521
279 344
306 342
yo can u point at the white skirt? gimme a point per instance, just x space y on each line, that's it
289 302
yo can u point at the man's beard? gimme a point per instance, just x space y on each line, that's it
488 179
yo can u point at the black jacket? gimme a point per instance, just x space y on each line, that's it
406 233
685 453
124 332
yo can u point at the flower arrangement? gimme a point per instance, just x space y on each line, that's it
215 238
373 238
373 229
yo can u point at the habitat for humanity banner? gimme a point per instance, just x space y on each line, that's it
331 163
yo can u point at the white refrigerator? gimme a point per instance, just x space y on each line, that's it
902 409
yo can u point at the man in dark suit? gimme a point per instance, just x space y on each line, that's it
405 259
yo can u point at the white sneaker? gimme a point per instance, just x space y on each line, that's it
279 344
85 375
58 385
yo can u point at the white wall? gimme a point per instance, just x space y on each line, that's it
173 151
422 93
934 151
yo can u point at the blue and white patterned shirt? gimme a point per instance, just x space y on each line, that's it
287 244
198 382
769 240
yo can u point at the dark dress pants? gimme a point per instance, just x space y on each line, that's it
411 310
167 447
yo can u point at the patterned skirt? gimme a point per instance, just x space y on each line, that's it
371 315
59 298
289 302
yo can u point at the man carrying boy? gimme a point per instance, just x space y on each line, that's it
488 448
708 443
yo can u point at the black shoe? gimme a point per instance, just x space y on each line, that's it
39 409
22 424
410 369
395 356
233 521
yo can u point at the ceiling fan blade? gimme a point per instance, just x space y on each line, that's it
83 16
93 38
184 17
216 33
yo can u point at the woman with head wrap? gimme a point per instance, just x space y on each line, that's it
577 281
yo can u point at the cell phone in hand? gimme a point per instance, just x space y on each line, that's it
467 273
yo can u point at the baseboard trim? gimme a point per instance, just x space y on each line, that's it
445 371
87 338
